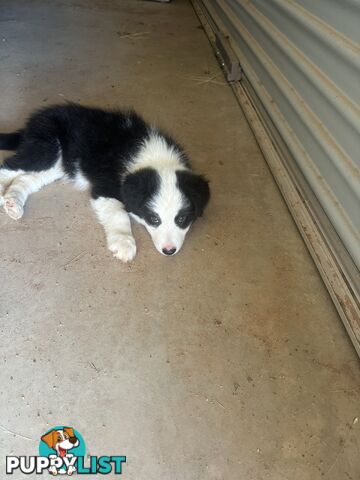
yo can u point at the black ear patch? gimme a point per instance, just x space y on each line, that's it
195 188
138 188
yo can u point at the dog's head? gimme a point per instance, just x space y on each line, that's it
166 202
61 440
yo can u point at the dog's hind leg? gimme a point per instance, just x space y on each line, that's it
6 177
26 183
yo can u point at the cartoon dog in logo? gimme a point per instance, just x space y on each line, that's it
61 440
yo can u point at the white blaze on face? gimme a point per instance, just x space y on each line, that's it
166 204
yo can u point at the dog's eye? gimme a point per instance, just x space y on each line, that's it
154 220
183 220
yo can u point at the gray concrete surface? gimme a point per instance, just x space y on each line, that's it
227 361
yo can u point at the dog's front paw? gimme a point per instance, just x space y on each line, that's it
53 470
123 247
71 469
13 208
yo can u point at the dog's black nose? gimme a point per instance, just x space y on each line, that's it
169 251
73 440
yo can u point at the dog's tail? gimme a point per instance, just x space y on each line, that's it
10 141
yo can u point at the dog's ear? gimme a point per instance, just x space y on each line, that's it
50 438
69 431
195 188
138 188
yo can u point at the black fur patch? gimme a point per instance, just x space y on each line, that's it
195 188
138 188
10 141
96 142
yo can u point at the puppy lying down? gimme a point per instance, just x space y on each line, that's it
129 167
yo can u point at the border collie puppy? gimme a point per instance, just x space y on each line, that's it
129 167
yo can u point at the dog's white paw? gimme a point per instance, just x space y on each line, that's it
53 470
13 208
71 469
123 247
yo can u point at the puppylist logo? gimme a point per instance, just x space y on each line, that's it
62 452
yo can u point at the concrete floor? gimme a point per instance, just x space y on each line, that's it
227 361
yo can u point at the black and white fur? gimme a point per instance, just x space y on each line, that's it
128 166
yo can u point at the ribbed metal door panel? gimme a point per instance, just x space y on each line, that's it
303 60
